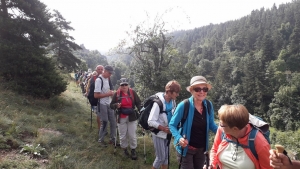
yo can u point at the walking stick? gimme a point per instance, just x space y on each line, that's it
181 154
206 159
169 137
144 147
91 116
116 132
116 139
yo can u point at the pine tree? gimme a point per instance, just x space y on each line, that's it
23 37
63 45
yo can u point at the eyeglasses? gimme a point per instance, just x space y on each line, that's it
198 89
221 125
124 84
234 155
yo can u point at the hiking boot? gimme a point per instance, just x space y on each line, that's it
102 143
126 153
113 143
133 154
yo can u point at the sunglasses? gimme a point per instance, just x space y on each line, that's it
198 89
124 84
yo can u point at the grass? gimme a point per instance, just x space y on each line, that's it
58 130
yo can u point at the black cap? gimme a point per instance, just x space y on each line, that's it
110 69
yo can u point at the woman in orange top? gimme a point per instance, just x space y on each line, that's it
230 150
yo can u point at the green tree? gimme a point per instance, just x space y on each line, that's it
152 54
267 49
25 30
63 44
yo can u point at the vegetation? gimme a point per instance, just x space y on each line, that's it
251 61
27 28
56 133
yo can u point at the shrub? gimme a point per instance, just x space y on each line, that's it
35 75
35 150
56 102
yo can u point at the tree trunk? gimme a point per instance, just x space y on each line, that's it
4 9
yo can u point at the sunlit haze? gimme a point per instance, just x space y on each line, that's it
101 24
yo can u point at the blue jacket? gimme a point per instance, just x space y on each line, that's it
187 126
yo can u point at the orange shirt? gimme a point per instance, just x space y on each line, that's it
262 148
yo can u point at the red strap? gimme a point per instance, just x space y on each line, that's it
132 95
130 92
118 94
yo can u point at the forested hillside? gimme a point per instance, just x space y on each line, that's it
253 60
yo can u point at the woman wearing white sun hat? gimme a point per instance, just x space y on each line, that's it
191 139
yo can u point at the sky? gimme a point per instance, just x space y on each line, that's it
102 24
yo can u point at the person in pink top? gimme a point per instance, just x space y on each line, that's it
230 149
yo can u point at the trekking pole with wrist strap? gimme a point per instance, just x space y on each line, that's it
184 137
91 116
206 159
144 146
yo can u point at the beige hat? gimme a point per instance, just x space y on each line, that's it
94 73
198 80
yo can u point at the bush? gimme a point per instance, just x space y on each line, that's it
56 102
30 72
35 150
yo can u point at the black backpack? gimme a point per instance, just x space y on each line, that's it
145 112
93 101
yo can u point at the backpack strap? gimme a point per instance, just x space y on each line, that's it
118 98
131 94
185 113
101 82
160 104
223 137
208 106
251 139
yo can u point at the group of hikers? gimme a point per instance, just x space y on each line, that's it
188 123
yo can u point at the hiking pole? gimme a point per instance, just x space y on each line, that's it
206 159
116 133
168 156
116 140
144 146
181 154
91 116
169 137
